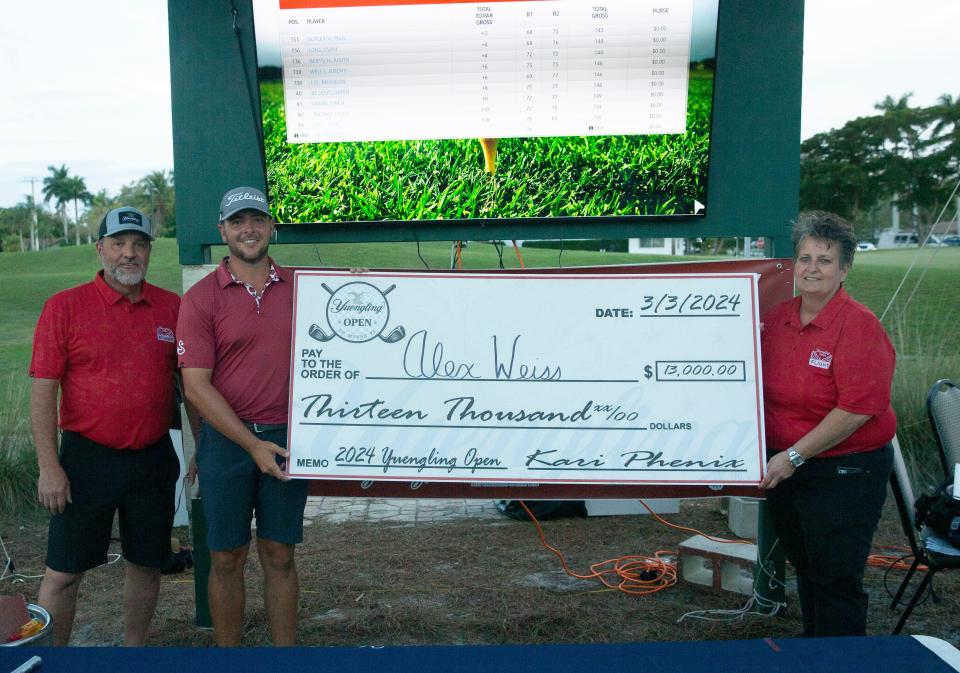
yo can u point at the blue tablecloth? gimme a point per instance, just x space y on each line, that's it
880 654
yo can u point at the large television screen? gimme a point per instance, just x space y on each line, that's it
424 110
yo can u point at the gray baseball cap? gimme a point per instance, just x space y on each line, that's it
243 198
125 218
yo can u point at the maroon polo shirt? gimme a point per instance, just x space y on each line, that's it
842 358
115 360
247 345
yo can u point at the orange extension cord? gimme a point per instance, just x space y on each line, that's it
516 249
634 575
643 575
893 561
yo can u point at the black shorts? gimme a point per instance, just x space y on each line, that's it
140 484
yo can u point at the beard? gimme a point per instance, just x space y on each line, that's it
238 252
124 276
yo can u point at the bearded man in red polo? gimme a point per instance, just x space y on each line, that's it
108 347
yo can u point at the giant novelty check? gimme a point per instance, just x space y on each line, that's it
485 377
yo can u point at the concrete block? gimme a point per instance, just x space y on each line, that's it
743 515
621 507
718 566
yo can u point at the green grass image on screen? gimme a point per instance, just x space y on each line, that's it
591 176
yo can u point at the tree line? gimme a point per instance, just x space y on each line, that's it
66 213
905 157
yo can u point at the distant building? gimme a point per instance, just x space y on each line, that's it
657 246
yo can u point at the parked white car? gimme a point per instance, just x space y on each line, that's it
864 246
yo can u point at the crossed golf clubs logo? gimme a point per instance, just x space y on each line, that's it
357 312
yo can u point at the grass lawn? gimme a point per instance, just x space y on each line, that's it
927 309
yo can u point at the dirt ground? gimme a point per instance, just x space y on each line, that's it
476 581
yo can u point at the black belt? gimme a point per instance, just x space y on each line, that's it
265 427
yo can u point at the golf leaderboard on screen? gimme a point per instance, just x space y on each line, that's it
497 69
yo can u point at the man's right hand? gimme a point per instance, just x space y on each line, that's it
53 489
265 453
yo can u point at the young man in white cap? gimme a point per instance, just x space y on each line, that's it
108 347
233 341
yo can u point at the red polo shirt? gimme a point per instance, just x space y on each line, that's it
842 358
222 327
115 360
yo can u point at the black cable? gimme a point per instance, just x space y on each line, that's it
886 573
560 256
923 599
316 250
181 483
254 106
417 239
498 246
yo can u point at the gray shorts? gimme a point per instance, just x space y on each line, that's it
234 489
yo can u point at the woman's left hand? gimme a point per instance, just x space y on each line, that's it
779 468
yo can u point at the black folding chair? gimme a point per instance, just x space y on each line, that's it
934 561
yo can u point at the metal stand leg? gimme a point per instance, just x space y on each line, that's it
904 584
201 564
928 576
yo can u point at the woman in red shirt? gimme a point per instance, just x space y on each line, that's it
827 368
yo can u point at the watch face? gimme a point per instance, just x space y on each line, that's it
795 458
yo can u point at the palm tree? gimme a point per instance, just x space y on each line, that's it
75 190
54 187
158 189
28 208
22 207
32 205
947 130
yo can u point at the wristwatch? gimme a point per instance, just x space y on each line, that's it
795 458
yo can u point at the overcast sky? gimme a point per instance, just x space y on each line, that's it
87 84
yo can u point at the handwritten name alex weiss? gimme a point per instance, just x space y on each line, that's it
424 360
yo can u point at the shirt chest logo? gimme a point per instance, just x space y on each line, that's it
165 334
821 359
